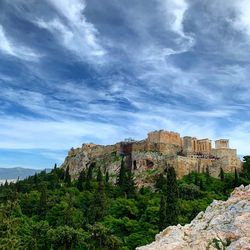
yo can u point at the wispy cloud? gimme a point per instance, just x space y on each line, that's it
73 31
118 69
9 47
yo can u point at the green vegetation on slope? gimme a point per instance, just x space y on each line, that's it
50 211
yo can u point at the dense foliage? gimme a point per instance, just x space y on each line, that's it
51 211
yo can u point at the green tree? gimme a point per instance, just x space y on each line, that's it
98 208
103 239
81 180
246 166
107 177
201 184
207 175
222 175
67 177
236 178
99 175
122 175
43 202
172 198
162 213
89 176
129 184
196 179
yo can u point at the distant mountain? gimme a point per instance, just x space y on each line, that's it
14 173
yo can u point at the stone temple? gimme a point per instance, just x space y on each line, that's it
161 148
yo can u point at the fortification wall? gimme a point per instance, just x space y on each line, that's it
158 150
222 143
162 136
228 159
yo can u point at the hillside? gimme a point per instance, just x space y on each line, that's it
52 211
148 158
224 225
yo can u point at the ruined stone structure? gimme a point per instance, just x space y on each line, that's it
187 154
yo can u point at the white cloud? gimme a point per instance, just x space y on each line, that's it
242 21
12 48
73 31
174 11
17 133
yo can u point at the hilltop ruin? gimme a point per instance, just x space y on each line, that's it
160 148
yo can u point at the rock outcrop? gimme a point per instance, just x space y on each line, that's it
150 156
224 225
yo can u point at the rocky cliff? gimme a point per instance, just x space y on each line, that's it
224 225
149 157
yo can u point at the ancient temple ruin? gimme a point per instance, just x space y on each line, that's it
160 148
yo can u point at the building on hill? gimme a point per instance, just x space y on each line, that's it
160 148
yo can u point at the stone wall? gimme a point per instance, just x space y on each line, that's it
167 137
159 149
222 143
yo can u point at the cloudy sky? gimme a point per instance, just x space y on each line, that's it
74 71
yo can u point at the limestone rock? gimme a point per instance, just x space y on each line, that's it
224 225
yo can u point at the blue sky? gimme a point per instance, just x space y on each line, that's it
75 71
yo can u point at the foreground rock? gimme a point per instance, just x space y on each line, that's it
224 225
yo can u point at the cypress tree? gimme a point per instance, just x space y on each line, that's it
189 177
89 176
43 200
201 184
67 177
221 175
162 213
81 180
122 175
6 184
236 178
99 175
172 198
107 177
196 179
207 175
129 183
98 209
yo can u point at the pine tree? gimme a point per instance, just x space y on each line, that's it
221 175
55 166
172 198
67 177
81 180
162 213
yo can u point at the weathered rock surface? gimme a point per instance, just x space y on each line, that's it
224 225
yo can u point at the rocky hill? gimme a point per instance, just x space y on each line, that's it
224 225
149 157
